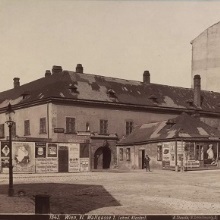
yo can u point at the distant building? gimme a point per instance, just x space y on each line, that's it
206 58
183 141
70 121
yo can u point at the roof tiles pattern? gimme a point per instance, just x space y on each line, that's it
95 88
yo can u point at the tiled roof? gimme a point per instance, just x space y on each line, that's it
183 126
81 86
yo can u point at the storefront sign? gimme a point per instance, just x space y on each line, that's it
74 163
23 154
84 164
192 163
58 130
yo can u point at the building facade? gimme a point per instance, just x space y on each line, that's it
184 141
206 58
91 113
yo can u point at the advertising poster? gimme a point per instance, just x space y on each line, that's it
5 149
84 164
52 165
74 163
166 155
40 150
41 165
23 155
52 150
46 165
5 165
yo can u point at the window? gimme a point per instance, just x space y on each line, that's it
27 127
87 126
128 154
43 126
159 152
103 126
129 127
121 154
70 125
2 130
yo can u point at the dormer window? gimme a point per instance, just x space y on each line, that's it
153 98
190 102
73 88
170 123
25 94
111 93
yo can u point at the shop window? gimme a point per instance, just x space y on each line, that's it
70 125
129 127
103 126
199 152
121 154
159 152
27 127
43 126
128 154
2 130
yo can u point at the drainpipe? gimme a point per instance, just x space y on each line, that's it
48 126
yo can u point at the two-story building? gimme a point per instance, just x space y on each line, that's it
69 121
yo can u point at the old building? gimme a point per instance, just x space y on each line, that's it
184 139
206 57
70 120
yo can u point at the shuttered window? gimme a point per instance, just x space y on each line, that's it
70 125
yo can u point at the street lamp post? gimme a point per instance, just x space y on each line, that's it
10 122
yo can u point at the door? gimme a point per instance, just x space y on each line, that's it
63 159
141 156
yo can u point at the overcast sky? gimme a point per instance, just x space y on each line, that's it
111 38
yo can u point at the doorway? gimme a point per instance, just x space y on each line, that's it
141 157
63 156
102 158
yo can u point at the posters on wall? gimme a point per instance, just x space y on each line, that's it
40 150
4 165
46 165
74 162
84 164
23 155
52 150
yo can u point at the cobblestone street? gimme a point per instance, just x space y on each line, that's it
136 192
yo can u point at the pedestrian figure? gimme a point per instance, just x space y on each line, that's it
147 162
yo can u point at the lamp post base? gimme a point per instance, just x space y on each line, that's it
10 192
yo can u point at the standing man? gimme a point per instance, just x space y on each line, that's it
147 163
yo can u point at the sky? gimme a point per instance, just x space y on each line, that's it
118 39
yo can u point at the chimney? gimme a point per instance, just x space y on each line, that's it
16 82
47 73
79 68
146 77
197 91
56 69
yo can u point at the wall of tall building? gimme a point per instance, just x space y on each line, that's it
206 58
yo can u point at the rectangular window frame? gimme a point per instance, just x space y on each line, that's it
103 127
121 152
129 125
128 154
43 125
70 125
27 130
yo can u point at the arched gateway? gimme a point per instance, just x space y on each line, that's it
102 158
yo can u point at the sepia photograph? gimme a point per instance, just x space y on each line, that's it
110 110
